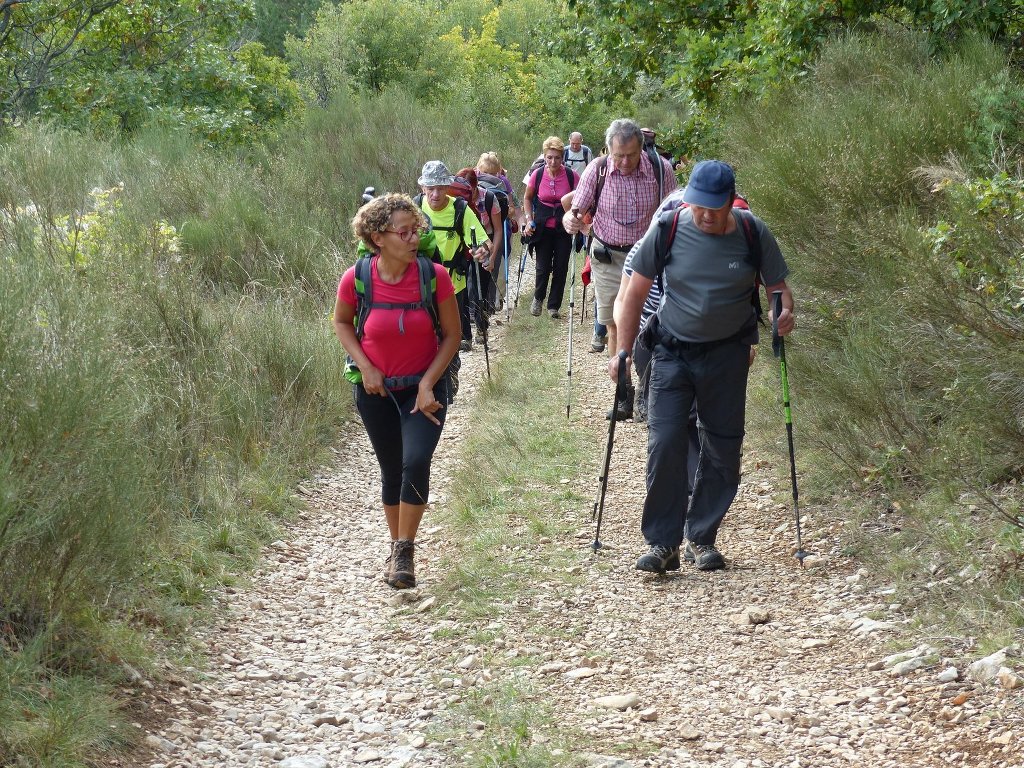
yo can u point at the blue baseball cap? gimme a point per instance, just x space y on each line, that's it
712 184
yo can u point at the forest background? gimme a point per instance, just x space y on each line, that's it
177 181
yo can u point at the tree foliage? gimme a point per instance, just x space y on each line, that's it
495 79
364 45
713 48
113 66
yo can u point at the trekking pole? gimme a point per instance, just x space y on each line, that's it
572 312
507 248
583 305
481 315
522 268
779 350
620 394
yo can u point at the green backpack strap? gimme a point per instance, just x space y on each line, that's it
364 292
428 290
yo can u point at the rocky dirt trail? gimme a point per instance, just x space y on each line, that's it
318 664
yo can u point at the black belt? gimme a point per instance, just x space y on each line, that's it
609 246
674 344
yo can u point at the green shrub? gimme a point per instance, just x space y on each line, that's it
904 234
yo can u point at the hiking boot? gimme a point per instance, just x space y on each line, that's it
466 345
598 343
640 407
453 385
554 314
535 308
403 574
659 559
623 409
389 563
705 556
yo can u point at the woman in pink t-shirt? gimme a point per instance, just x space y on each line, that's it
402 359
552 244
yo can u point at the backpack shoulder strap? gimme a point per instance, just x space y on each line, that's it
668 222
364 292
602 174
535 180
753 238
754 255
428 290
659 170
573 178
460 219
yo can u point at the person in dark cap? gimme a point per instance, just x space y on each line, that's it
700 339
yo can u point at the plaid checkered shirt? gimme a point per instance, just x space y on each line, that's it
627 202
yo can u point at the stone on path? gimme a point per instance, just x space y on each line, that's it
304 761
623 701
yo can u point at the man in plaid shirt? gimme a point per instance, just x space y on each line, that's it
624 185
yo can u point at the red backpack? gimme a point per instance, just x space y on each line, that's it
462 188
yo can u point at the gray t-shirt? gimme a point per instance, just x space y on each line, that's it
708 279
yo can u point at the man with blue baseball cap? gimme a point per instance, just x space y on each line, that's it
700 340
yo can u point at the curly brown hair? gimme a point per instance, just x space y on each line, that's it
376 215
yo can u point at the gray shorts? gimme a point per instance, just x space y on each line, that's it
606 277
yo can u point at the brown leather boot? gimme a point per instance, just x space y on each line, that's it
403 574
389 564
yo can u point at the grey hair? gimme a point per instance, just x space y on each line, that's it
624 130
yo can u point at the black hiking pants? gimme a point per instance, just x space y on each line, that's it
552 250
404 442
642 359
715 375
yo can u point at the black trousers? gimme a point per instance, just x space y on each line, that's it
552 250
642 360
404 442
477 309
716 377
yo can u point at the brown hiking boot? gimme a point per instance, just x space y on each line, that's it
403 574
389 564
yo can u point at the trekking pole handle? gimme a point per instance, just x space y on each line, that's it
622 381
776 311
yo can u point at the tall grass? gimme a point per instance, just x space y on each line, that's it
167 373
907 362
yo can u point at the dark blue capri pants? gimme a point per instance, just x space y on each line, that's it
716 376
404 443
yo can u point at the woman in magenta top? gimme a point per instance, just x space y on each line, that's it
552 244
402 359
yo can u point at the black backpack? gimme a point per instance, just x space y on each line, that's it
542 211
668 221
492 184
588 155
461 260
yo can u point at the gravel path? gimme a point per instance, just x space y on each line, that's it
319 664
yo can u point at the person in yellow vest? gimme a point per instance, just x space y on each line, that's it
453 223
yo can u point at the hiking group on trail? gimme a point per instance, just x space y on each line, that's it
675 277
